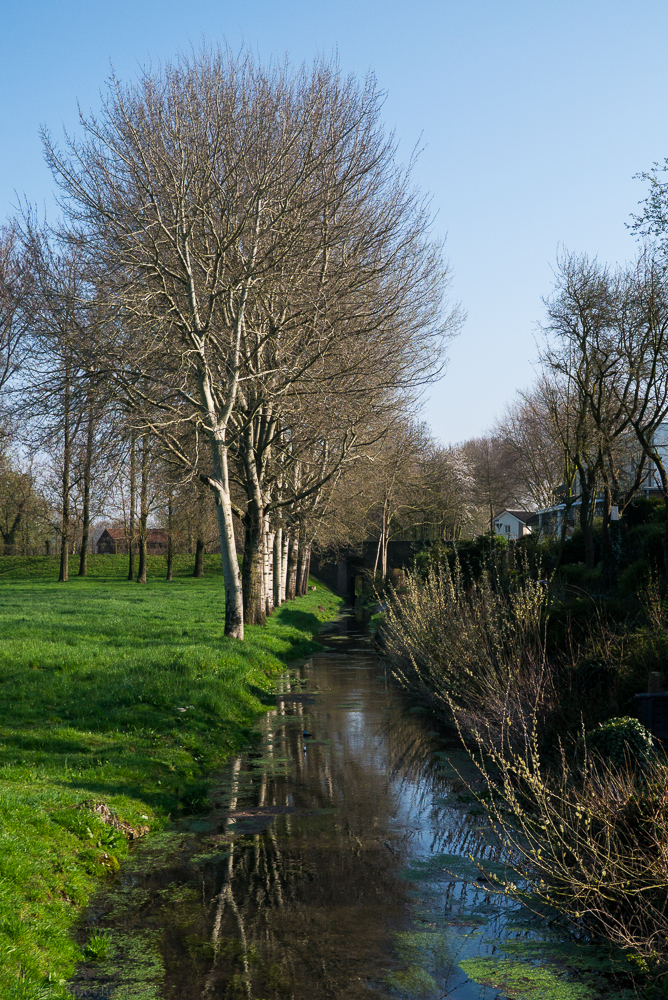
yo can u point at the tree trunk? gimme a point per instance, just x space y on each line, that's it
63 575
301 553
664 484
220 485
304 566
291 588
252 570
170 537
585 524
88 465
284 566
608 555
133 504
268 568
378 549
143 511
586 493
198 571
9 537
278 566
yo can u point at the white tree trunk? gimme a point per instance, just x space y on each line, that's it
234 602
269 567
278 566
284 565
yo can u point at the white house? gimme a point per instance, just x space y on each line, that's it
512 523
652 481
550 519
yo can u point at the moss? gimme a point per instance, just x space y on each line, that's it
414 981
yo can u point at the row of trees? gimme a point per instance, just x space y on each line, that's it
243 295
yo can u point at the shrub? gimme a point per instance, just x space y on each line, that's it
574 549
646 542
480 649
577 575
620 741
634 577
645 510
536 556
587 839
470 558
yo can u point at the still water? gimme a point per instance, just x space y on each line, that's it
338 865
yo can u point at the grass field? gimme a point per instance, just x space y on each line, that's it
114 693
102 567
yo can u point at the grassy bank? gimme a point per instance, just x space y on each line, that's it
120 694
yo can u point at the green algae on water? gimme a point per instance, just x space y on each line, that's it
521 981
426 954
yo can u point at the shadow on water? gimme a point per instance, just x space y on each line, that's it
333 865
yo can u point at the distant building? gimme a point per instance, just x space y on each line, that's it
513 523
113 541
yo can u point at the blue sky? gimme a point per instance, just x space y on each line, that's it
534 117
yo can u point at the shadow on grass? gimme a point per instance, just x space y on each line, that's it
264 697
293 617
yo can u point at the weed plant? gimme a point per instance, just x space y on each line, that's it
583 818
587 840
480 648
117 694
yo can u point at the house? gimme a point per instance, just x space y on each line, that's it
114 541
513 523
156 541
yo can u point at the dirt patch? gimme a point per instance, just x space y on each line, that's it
112 819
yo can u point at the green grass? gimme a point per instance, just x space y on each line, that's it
92 677
108 567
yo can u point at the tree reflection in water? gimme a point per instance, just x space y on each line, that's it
321 870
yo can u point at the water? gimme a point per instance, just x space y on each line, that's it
334 865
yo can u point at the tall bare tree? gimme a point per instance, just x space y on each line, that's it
493 464
231 205
54 387
15 290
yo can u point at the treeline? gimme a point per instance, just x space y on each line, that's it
240 302
592 432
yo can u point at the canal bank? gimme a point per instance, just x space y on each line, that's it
117 704
339 860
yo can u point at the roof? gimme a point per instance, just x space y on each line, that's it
521 515
115 533
119 533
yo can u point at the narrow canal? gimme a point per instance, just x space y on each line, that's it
334 865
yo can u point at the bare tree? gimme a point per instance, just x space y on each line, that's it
581 357
53 390
213 195
493 465
529 429
643 347
607 359
15 282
